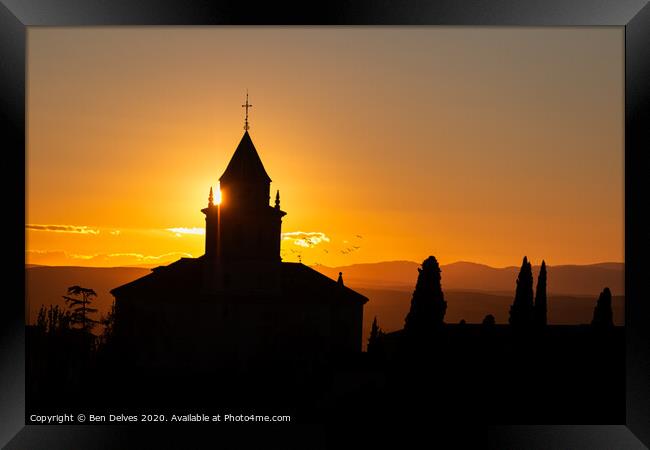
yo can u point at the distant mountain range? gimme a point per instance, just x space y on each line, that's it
471 290
474 290
576 280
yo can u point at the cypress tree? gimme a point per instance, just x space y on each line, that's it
603 315
540 297
521 311
375 335
428 305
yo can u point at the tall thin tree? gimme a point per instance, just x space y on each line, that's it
108 322
52 320
375 336
603 315
521 311
540 297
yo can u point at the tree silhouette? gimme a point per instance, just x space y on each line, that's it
79 306
375 336
108 322
53 320
521 311
603 316
428 305
540 297
489 321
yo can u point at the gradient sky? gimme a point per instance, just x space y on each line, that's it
387 143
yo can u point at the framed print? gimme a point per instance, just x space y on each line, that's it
239 219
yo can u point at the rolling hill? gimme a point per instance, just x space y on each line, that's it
572 280
471 290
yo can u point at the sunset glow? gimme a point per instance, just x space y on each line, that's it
389 143
217 197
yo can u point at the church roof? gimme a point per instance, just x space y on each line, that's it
307 282
179 276
245 163
183 280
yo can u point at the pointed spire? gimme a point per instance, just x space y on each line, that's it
246 105
245 164
340 280
277 199
211 198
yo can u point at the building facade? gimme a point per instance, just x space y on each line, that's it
238 305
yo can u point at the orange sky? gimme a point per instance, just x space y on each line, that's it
479 144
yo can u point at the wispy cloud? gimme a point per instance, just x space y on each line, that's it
80 229
149 258
305 239
61 258
78 256
183 230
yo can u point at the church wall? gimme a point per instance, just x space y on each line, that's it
250 235
240 306
347 320
205 334
256 193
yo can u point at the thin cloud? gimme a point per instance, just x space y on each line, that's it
61 258
305 239
63 228
78 256
44 252
141 257
183 230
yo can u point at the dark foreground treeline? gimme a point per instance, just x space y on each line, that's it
562 374
567 374
524 372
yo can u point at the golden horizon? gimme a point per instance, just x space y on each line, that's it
474 145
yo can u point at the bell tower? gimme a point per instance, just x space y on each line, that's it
250 226
243 231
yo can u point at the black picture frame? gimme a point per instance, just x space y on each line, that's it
633 15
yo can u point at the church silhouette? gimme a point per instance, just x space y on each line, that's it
239 304
237 329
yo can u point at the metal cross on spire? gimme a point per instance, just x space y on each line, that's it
247 105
